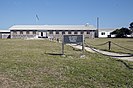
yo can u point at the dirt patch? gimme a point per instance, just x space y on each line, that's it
6 82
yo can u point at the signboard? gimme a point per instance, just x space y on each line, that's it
73 39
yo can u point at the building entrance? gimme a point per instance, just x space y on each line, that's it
42 35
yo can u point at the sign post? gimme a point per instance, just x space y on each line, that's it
72 39
63 45
83 45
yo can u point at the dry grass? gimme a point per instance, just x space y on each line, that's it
28 63
124 42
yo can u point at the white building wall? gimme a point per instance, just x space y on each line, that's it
24 32
103 34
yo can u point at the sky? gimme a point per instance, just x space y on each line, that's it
111 13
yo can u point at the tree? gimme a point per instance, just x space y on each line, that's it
121 33
131 28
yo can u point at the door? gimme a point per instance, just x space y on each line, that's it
41 34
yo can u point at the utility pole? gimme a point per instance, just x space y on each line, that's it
97 26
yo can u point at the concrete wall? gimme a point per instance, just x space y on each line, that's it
89 34
23 34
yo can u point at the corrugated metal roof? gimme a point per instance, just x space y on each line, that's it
52 27
4 30
107 30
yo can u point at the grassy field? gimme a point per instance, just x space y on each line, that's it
124 42
30 64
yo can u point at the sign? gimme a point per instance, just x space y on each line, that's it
72 39
75 39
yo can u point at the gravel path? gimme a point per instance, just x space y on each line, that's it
114 55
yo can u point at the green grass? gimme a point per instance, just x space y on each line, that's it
28 63
124 42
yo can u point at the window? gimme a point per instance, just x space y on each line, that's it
27 32
63 32
103 33
50 32
34 32
82 32
88 32
75 32
21 32
69 32
14 32
41 33
57 32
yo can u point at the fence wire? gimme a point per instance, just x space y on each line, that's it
122 47
112 43
92 48
99 44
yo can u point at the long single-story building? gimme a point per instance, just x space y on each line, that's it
4 34
51 31
55 31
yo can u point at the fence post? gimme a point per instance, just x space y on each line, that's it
109 45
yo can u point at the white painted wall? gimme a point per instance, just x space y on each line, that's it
105 33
